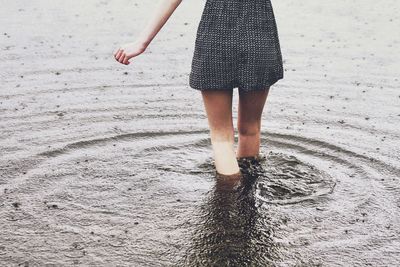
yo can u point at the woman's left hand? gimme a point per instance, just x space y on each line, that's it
128 51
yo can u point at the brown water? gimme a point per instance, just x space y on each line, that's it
107 165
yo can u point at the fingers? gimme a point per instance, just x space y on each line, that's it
125 60
116 53
121 57
119 54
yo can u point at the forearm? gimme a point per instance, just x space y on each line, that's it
157 20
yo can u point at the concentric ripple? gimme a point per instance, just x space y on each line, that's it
155 200
110 165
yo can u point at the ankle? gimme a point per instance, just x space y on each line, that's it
249 156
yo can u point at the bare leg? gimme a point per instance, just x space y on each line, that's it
251 105
218 105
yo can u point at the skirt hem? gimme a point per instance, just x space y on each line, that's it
240 87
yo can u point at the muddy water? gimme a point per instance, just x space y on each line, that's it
107 165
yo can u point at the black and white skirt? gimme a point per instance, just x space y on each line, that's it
237 46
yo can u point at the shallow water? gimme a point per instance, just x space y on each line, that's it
108 165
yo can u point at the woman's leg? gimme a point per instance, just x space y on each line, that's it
218 106
251 105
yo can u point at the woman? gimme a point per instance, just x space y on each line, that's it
236 46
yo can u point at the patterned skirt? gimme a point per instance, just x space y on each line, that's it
237 46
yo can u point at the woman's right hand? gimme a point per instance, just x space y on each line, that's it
127 51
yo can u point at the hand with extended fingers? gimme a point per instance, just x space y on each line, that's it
128 51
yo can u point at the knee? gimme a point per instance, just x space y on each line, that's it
249 130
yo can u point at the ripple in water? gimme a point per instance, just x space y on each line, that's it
152 199
285 179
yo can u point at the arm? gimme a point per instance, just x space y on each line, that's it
154 25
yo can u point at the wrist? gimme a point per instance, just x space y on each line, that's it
144 44
144 41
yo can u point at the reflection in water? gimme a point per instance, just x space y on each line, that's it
230 230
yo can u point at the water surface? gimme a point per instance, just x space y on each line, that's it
103 164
